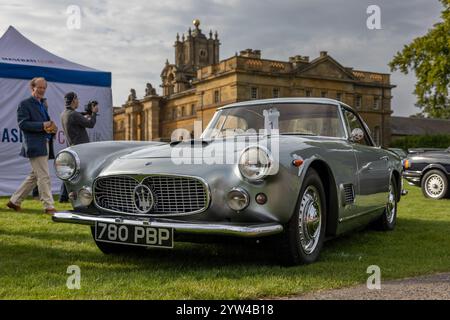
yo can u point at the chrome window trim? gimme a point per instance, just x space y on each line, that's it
139 178
343 122
364 125
250 103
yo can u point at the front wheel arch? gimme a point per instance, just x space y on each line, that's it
331 195
304 234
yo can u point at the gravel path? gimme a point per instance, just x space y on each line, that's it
421 288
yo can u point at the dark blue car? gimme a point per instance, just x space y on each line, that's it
431 171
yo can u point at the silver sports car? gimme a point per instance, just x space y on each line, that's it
292 171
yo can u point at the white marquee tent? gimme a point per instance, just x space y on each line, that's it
20 61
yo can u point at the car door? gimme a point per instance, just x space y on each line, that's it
372 166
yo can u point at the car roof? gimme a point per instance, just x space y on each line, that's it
285 100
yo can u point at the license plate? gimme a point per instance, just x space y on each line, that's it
134 235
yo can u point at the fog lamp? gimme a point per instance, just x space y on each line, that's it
85 196
238 199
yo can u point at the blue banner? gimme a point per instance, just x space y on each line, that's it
26 72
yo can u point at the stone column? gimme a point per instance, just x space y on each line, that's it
151 109
144 125
127 127
148 120
132 126
131 110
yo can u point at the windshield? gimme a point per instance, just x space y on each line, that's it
288 118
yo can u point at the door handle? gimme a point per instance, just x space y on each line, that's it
384 158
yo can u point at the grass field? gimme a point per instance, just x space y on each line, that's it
36 252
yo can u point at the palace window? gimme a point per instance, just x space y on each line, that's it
339 96
323 94
254 93
308 93
358 102
376 103
216 96
183 111
192 109
276 93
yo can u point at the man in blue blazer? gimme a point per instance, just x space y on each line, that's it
38 132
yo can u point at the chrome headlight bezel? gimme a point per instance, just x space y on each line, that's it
266 169
76 162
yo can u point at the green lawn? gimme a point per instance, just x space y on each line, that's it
35 253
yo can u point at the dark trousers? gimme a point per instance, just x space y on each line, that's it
63 196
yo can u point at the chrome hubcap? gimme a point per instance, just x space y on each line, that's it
434 186
390 205
310 219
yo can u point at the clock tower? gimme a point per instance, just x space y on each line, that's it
192 52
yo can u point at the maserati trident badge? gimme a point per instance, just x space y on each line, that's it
143 198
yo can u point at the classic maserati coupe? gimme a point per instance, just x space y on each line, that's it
291 171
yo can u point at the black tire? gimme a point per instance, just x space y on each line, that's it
388 220
294 251
112 248
434 184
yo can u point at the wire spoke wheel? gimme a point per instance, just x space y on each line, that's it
310 219
391 204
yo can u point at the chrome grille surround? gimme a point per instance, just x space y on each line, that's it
175 195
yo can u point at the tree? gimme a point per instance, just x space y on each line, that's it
429 57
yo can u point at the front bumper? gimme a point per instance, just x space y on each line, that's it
247 230
413 177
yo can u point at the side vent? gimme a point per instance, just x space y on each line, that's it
347 194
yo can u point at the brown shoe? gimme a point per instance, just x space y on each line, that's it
13 206
50 211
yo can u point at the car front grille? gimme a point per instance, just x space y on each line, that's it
172 195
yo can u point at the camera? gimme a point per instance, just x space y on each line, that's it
88 107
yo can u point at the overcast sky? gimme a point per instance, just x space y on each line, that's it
132 39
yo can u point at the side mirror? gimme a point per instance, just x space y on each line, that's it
357 135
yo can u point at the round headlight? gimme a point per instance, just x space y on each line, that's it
66 165
255 163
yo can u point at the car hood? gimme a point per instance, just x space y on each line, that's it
432 154
161 151
198 158
170 149
211 147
